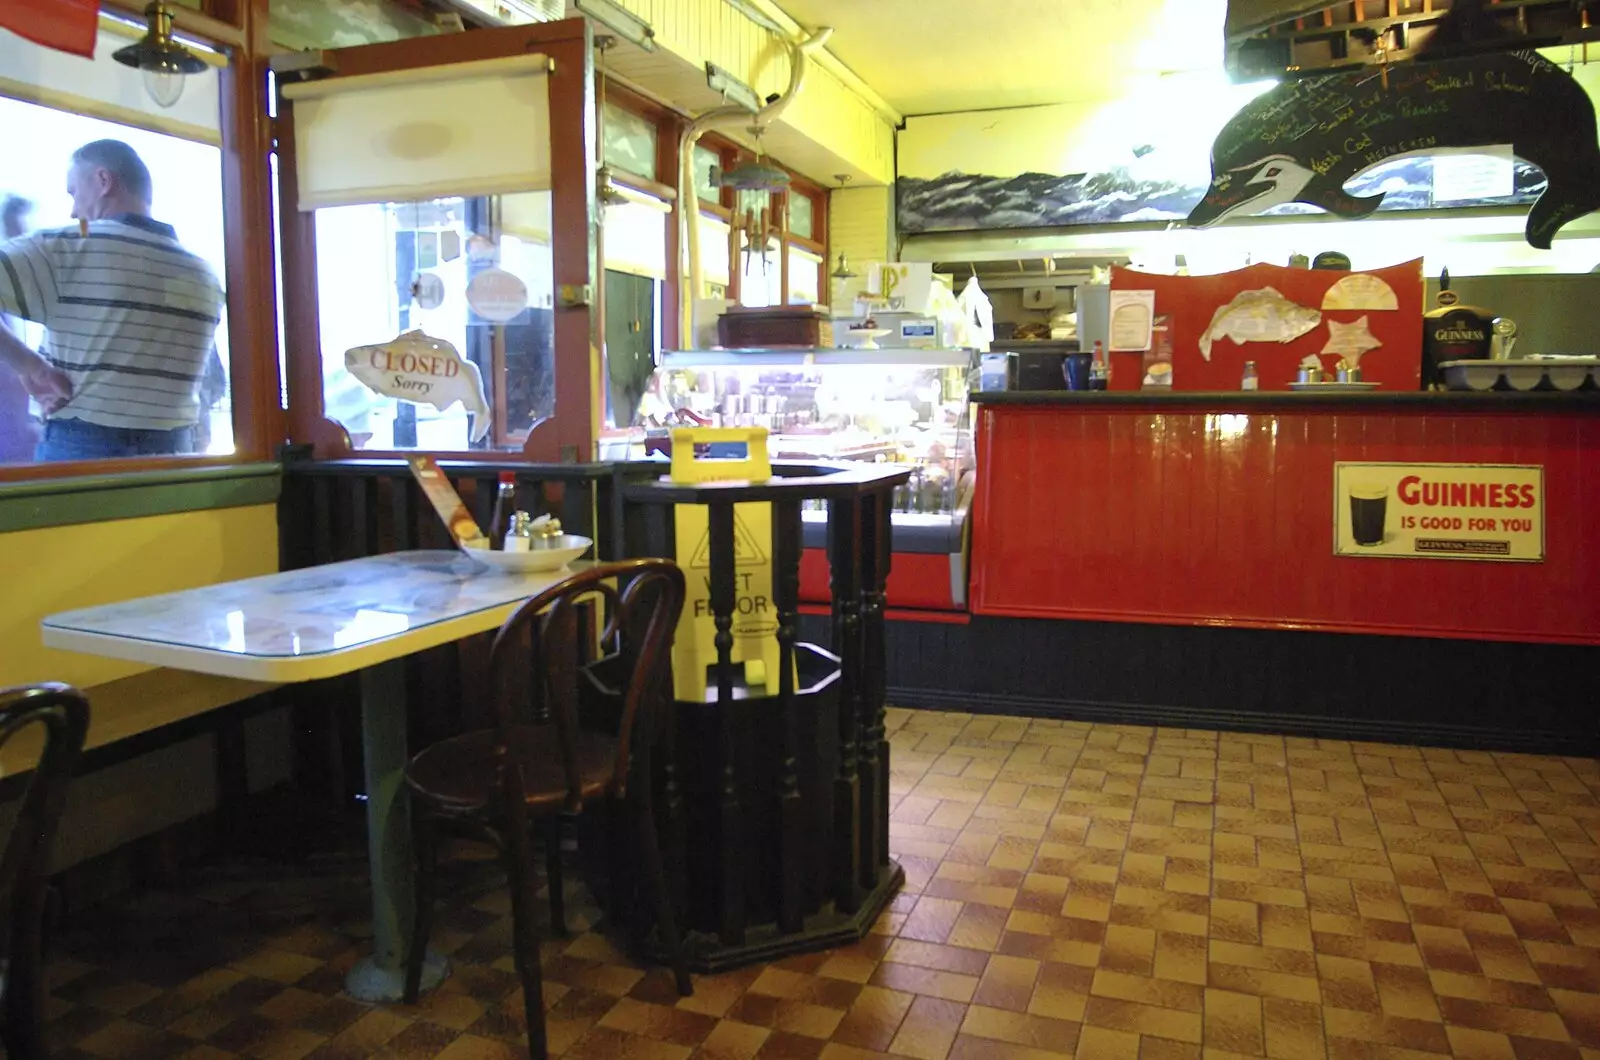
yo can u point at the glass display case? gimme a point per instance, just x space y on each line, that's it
880 405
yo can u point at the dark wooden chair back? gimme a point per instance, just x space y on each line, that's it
63 713
641 601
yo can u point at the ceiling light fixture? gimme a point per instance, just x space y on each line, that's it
163 61
842 271
623 23
732 89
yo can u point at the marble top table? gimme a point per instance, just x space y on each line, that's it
359 615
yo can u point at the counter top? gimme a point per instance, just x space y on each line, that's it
1455 400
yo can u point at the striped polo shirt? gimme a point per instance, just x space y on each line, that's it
129 315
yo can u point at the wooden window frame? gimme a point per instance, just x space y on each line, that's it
570 434
238 28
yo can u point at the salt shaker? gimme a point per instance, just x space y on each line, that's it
519 534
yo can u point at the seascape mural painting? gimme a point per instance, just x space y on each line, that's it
1141 159
964 201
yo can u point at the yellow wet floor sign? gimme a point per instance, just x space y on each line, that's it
755 619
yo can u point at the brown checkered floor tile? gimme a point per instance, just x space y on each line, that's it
1100 891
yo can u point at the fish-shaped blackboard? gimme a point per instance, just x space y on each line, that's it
1304 139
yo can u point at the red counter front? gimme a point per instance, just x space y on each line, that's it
1217 510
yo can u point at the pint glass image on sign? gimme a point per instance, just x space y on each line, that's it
1369 508
1439 511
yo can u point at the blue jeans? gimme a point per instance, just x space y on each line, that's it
79 440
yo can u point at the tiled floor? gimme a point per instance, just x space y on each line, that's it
1097 891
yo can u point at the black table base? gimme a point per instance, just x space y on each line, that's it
776 807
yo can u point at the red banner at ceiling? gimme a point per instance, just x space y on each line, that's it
66 25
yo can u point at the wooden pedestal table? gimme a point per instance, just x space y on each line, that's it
304 625
777 806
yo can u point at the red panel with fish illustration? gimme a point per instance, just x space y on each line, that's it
1219 512
1206 313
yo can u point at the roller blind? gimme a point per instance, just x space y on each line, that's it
467 129
713 251
803 274
636 235
103 88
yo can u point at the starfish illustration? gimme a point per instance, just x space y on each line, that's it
1351 341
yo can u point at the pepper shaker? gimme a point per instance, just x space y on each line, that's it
549 534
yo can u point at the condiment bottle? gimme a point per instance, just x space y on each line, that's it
1099 370
519 535
1249 380
503 502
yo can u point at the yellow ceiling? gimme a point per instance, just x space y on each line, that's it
933 56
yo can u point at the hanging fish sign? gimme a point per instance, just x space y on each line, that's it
425 371
1305 139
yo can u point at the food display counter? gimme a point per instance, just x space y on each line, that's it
902 406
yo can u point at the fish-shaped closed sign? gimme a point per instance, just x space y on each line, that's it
1303 140
1262 315
426 371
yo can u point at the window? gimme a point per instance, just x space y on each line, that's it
113 337
630 142
472 275
801 216
431 202
705 160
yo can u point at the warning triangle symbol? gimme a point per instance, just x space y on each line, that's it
746 551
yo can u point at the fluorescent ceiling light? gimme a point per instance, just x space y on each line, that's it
623 23
733 90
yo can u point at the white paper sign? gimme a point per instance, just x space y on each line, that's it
424 371
1133 315
1439 511
1487 173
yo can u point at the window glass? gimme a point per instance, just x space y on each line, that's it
753 202
437 321
705 160
801 222
630 142
126 315
761 281
759 277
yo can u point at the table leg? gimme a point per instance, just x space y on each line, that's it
381 977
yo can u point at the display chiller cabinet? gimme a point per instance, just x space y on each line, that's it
838 405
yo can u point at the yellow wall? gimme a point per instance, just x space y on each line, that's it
841 128
861 226
66 567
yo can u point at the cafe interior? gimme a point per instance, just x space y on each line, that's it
463 601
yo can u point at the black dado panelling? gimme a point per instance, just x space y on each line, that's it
1458 693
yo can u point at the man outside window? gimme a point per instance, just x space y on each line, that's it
130 316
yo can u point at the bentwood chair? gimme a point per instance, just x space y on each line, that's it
504 779
63 714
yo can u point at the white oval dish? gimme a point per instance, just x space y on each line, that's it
571 546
